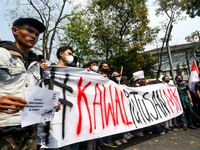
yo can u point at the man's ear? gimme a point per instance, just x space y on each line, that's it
61 54
15 30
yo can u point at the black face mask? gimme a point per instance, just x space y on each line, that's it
167 81
180 80
106 70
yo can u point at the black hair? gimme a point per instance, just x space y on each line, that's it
101 64
124 79
143 82
91 62
85 66
177 77
163 78
62 49
114 79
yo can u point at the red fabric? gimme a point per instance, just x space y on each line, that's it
193 66
121 72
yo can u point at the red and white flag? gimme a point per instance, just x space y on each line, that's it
121 71
194 77
120 74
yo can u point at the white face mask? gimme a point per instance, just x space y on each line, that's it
69 59
117 78
94 68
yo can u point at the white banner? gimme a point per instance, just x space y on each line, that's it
97 107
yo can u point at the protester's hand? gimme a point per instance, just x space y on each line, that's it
58 106
11 104
191 103
43 66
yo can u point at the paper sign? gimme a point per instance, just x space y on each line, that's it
48 63
139 74
40 106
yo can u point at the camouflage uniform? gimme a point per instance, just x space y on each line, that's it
20 141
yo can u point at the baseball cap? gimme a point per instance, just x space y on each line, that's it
30 21
39 56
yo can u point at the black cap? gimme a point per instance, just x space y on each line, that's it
30 21
40 56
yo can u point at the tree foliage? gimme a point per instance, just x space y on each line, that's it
78 35
170 8
192 7
120 25
134 61
194 37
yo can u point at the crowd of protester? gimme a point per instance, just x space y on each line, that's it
20 68
184 121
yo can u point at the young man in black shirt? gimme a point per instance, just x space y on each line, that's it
104 68
186 101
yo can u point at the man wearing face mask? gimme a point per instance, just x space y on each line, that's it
168 123
104 68
115 77
186 101
92 66
65 56
165 79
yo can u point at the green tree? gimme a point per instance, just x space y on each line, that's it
192 7
149 66
119 25
134 61
78 35
194 37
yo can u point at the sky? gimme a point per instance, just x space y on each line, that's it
179 31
